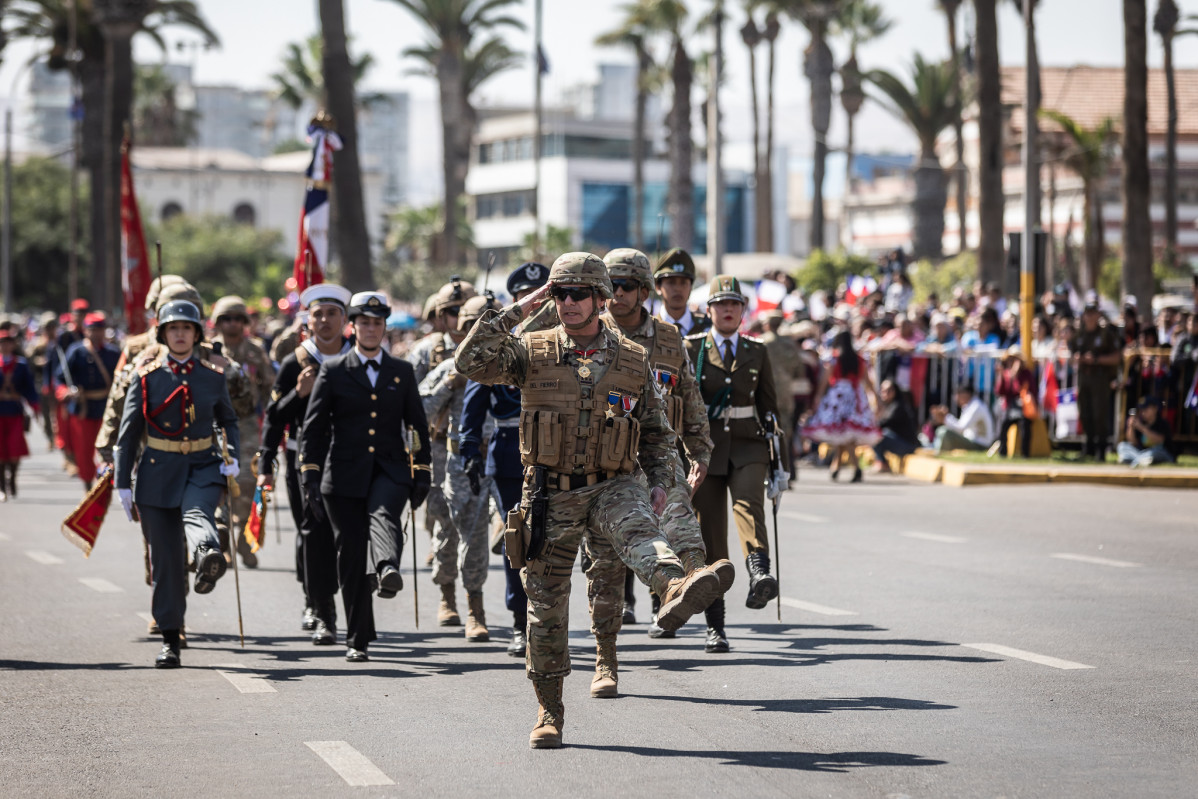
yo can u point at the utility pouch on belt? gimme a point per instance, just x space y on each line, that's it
515 538
538 510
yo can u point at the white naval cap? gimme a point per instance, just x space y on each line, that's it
325 294
369 303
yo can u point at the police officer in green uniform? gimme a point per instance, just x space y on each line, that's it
737 382
1098 353
674 278
176 402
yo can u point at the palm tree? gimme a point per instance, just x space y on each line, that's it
991 201
960 171
157 119
1137 223
107 96
300 79
751 35
680 199
861 21
450 27
1164 23
1088 155
928 105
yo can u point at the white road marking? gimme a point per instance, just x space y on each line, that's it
807 517
101 585
244 681
943 539
43 557
823 610
1118 564
1021 654
352 766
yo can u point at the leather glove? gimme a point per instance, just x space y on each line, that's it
230 469
314 500
473 467
420 489
126 495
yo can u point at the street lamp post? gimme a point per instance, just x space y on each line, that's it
1031 186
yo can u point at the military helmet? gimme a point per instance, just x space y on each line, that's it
230 306
430 308
530 275
156 286
473 308
452 295
629 263
179 311
368 303
581 269
675 263
180 291
726 287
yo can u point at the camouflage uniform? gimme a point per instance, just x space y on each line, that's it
429 353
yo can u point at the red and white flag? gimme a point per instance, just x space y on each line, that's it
135 261
312 253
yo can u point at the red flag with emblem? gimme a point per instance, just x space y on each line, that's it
135 262
256 523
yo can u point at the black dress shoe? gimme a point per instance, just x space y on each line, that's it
629 615
168 658
390 582
309 620
717 642
518 644
659 632
356 655
210 567
323 635
763 587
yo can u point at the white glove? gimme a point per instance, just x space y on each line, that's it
126 495
779 482
230 469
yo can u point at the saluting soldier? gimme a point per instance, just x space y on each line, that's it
502 459
737 382
354 453
88 370
460 543
175 403
316 557
232 320
591 414
429 353
674 278
687 414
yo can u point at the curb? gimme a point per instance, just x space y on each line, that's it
929 469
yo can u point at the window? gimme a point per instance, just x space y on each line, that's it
170 210
244 214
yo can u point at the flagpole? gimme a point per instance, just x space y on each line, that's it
536 142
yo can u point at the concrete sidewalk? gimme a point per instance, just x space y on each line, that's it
931 469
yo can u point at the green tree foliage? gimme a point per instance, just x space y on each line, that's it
824 271
41 236
219 256
928 278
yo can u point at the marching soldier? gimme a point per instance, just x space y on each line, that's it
176 403
460 543
43 360
232 320
674 278
16 384
687 414
591 413
316 557
502 460
426 356
356 465
737 383
87 371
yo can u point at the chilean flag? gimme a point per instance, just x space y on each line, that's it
135 261
312 252
770 294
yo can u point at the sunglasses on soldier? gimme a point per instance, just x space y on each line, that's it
576 293
625 284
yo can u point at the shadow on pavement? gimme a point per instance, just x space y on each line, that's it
37 665
807 705
835 762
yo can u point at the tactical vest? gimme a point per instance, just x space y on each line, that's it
667 361
552 402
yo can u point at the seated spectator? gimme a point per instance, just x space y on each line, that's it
1149 439
973 430
897 420
1014 384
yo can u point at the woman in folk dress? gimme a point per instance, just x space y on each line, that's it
843 418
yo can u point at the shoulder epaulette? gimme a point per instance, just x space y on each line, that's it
696 336
754 339
213 367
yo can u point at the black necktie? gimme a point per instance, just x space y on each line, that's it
728 353
372 365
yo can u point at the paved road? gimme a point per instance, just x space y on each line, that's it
935 642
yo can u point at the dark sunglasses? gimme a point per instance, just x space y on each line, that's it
623 284
576 293
451 311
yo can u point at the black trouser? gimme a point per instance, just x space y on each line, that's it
515 599
171 534
363 526
295 498
1012 419
1094 410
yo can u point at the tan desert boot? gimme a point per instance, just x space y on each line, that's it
476 618
693 560
683 597
605 684
447 612
551 715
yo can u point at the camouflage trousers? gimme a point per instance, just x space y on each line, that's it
436 510
461 543
605 578
246 482
616 513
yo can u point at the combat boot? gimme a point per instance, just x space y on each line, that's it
762 585
447 611
683 596
551 716
716 641
693 559
655 631
519 640
324 629
606 681
476 617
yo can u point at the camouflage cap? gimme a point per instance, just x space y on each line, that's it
452 295
725 287
473 308
229 306
156 285
629 263
581 269
675 263
430 308
180 291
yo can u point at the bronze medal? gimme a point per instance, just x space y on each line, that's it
584 371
